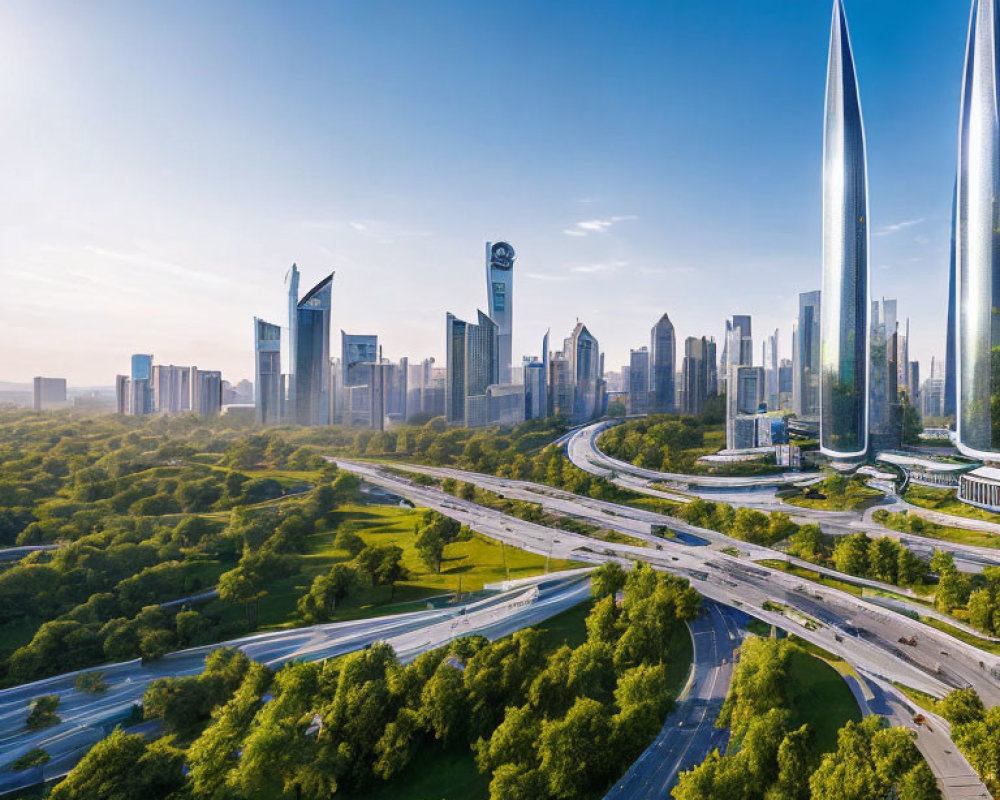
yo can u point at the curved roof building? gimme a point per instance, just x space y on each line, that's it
844 316
977 241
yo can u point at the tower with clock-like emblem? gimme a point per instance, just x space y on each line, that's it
500 290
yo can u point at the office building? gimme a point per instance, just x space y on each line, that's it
122 394
311 374
292 284
662 367
844 321
785 384
698 374
49 393
884 415
267 372
771 371
560 387
505 404
536 383
638 386
500 289
358 352
586 371
746 398
805 357
140 385
472 366
206 391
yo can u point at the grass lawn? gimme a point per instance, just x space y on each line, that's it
918 526
820 698
945 501
470 564
840 494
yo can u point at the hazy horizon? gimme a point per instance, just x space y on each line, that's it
166 165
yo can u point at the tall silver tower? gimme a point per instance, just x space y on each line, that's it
844 315
977 241
500 290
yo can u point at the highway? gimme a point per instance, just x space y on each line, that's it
861 633
85 719
689 733
761 493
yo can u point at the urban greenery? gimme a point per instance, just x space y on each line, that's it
906 522
834 493
976 731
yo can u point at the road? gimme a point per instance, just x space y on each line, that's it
761 493
861 633
85 719
689 733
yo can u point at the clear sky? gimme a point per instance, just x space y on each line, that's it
163 164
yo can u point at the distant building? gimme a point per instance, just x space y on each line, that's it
472 367
745 397
49 393
638 388
267 372
500 290
805 357
884 414
586 372
122 394
662 366
785 384
771 371
505 404
140 385
560 387
698 379
358 352
311 404
206 392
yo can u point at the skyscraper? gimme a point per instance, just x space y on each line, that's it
662 366
357 353
267 372
771 371
698 374
310 328
844 321
140 385
884 422
638 381
950 365
584 355
292 282
473 365
500 289
977 243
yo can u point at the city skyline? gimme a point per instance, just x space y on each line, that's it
590 241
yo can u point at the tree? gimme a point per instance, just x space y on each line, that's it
607 580
320 603
850 554
396 747
43 712
123 767
347 539
807 542
511 782
430 547
913 425
796 762
444 704
513 742
883 559
961 707
577 751
383 564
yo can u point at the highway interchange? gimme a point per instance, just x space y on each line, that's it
862 633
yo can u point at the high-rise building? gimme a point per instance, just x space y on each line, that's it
746 396
292 282
500 289
771 371
586 372
560 386
662 366
950 360
977 254
49 393
267 372
536 383
844 321
311 330
884 420
743 338
472 367
638 381
122 394
805 357
698 374
140 385
357 353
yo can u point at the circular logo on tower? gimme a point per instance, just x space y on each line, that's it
501 255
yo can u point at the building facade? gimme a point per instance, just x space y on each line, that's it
267 385
312 355
638 382
48 393
662 367
805 357
500 258
844 321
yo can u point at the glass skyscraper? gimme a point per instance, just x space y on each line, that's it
844 320
977 240
267 372
662 360
500 285
312 355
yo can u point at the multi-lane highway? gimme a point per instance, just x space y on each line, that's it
689 733
761 493
863 634
85 718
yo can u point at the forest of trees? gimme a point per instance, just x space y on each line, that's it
768 759
559 724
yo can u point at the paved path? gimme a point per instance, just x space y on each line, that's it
689 733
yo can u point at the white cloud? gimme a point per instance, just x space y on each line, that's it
595 269
542 276
898 226
588 226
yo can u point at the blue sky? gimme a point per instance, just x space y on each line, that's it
164 163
